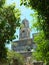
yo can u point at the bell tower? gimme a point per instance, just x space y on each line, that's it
24 32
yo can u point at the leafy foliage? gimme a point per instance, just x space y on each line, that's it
2 2
42 51
9 20
15 58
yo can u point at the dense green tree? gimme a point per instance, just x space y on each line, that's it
42 50
9 20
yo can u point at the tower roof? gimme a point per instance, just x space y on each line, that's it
26 23
25 20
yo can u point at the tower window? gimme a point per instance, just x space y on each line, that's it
23 31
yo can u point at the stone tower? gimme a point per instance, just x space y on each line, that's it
24 31
25 43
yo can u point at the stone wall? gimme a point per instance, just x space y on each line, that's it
38 63
22 45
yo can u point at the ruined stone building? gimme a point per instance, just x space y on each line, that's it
25 43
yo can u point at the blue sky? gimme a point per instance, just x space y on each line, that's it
25 13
